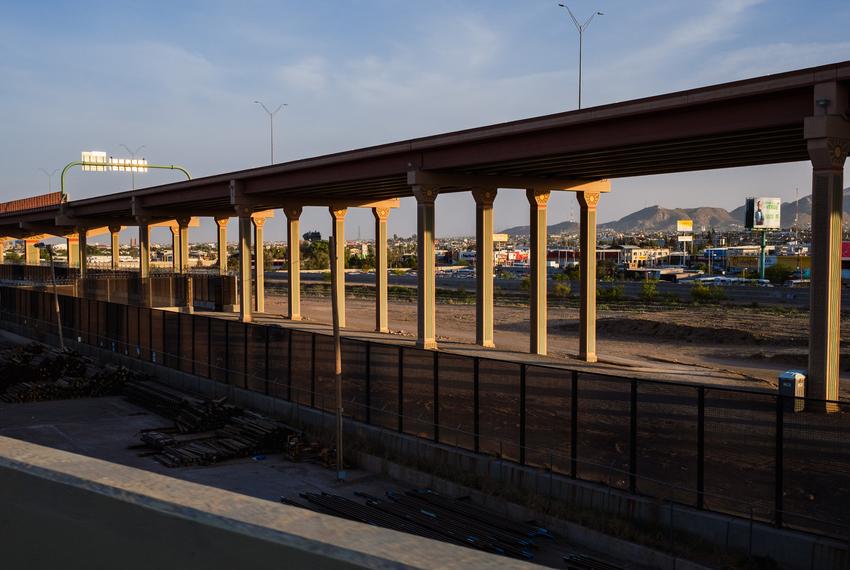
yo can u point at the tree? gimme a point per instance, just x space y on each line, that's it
779 273
312 236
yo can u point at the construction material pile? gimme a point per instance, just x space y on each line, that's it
34 373
428 514
207 431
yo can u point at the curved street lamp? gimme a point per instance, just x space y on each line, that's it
581 29
271 115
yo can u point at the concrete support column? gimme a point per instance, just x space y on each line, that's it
183 261
537 200
587 276
84 258
338 220
484 266
221 244
72 247
245 304
381 298
426 317
3 250
175 249
293 246
144 250
115 248
259 266
32 255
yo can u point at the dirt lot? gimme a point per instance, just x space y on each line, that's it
738 345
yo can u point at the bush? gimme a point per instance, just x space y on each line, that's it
610 294
561 290
779 273
649 291
704 294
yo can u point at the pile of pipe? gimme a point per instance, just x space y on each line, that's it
34 373
428 514
205 431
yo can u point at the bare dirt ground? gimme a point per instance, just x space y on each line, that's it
733 345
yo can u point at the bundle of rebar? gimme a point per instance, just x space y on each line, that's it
189 414
412 512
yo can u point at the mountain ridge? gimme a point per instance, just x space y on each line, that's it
656 218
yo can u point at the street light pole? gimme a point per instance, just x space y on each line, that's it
271 115
133 156
50 178
581 29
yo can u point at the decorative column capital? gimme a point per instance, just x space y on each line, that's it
222 222
175 230
537 198
293 213
484 197
381 214
828 153
114 229
243 211
337 213
183 222
259 222
425 194
588 200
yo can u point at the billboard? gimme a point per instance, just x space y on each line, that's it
686 238
685 226
845 250
762 213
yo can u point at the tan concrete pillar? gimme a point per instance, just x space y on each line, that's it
537 200
381 297
484 266
32 255
175 249
293 246
426 330
245 304
84 258
221 244
144 250
587 276
115 248
828 140
3 250
338 220
72 247
183 261
259 266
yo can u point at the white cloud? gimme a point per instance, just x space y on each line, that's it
308 74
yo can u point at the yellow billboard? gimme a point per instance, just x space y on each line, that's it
685 226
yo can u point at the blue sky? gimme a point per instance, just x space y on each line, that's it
180 78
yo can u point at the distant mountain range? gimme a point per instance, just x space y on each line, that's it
658 219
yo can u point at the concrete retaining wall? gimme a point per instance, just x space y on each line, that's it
62 510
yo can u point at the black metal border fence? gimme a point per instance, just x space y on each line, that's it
753 454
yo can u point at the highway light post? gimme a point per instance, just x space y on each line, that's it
271 115
581 29
50 176
133 156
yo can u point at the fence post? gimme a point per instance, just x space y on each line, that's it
227 352
313 371
476 406
368 382
400 389
779 476
245 333
436 396
209 348
633 437
266 370
289 365
574 426
522 413
701 447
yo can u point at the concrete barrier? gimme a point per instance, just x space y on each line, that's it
62 510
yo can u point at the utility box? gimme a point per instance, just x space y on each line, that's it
792 384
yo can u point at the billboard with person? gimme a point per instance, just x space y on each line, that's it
763 213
